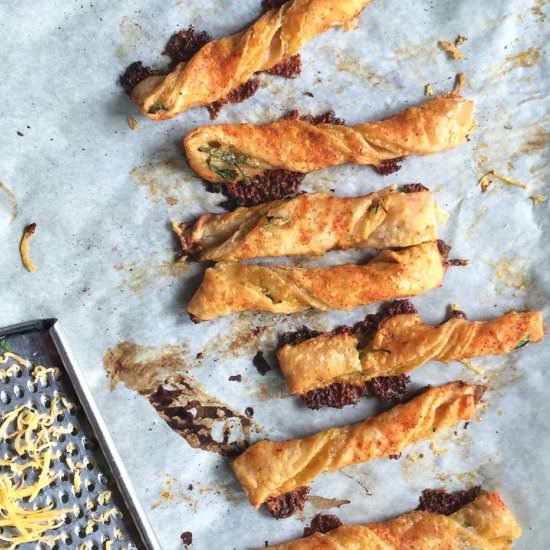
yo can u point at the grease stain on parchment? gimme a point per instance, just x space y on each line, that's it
485 474
512 272
180 400
11 199
537 11
480 214
362 71
163 180
140 276
525 59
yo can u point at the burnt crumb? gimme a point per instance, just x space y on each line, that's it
272 4
238 95
190 487
262 366
20 134
444 250
187 538
183 45
249 411
328 117
199 355
439 501
290 68
395 457
412 188
268 186
190 250
458 314
285 505
389 166
309 94
296 337
396 307
235 378
458 262
322 523
194 319
338 395
134 74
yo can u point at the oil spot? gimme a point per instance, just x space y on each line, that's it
180 400
527 58
512 272
140 276
537 142
321 503
11 200
537 11
427 51
163 179
362 71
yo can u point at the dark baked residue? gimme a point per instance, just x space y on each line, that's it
412 188
183 45
328 117
134 74
338 395
285 505
439 501
290 68
389 166
186 538
322 523
268 186
238 95
272 4
444 250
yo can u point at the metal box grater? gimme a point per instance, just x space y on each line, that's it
43 342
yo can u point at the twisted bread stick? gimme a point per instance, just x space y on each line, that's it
485 524
270 469
224 64
310 225
400 344
229 287
235 152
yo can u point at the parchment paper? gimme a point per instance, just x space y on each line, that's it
102 195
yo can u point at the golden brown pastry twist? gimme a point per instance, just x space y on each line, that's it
310 225
224 64
400 344
484 524
234 152
270 469
229 287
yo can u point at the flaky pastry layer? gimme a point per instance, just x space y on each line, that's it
311 224
485 524
234 152
272 468
224 64
230 287
400 344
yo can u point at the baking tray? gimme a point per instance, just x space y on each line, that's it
44 342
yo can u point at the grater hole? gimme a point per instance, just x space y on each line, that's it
91 505
4 397
45 400
31 386
60 417
77 511
63 476
18 391
81 532
64 497
73 429
90 485
103 479
43 381
89 465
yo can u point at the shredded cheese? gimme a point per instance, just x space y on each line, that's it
428 90
132 122
451 49
104 497
486 180
459 83
24 247
537 199
471 366
31 437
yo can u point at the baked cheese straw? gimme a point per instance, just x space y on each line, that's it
229 153
338 367
484 523
312 224
222 65
231 287
271 472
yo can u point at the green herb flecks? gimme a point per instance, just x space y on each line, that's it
523 342
5 345
232 161
276 221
